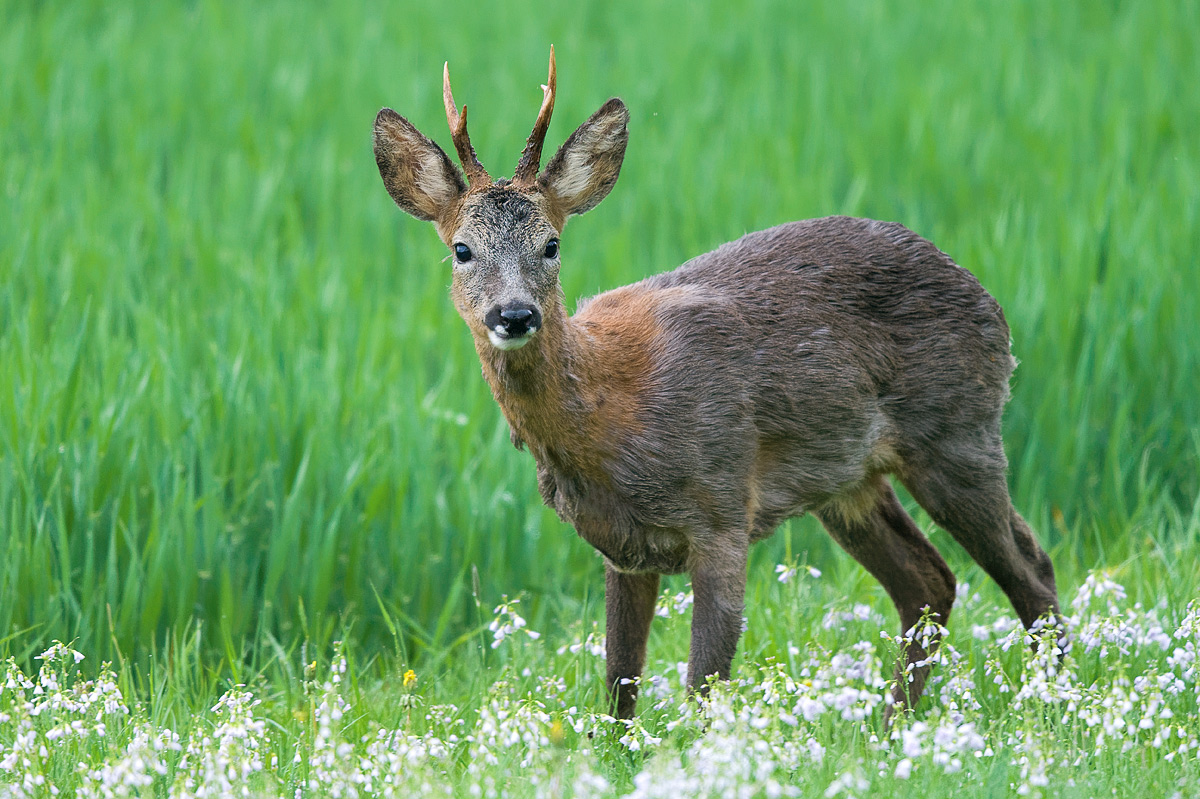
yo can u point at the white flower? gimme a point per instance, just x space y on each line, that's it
507 622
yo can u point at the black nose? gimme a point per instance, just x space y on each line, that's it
514 320
514 316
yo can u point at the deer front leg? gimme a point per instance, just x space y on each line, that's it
719 588
629 606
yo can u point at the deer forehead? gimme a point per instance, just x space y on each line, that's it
504 217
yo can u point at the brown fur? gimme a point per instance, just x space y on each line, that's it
578 412
676 420
404 157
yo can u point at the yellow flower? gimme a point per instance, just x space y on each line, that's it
410 678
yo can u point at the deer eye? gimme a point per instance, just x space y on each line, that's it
462 253
551 248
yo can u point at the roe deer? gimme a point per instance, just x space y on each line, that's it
679 419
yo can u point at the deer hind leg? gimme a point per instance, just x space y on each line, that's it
968 497
889 545
629 608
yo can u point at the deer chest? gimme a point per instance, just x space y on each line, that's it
609 521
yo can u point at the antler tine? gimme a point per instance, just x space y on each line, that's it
458 132
531 157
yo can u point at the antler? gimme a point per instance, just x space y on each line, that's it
531 157
458 132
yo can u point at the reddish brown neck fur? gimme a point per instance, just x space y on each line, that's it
573 393
538 386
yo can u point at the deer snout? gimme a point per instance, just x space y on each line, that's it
511 326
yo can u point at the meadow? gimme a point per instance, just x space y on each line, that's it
241 423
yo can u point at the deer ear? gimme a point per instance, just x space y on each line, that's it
415 171
585 168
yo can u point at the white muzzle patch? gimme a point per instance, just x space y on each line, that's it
501 341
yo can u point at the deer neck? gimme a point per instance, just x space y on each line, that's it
543 387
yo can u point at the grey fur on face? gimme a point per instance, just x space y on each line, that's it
507 238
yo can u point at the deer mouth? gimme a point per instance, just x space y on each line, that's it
503 340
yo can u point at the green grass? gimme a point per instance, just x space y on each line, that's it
239 412
524 717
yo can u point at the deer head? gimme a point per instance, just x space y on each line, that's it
503 235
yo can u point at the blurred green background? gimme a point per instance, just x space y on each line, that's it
235 397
